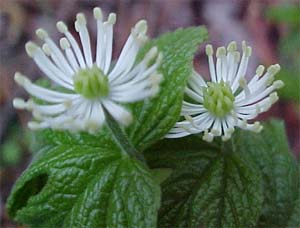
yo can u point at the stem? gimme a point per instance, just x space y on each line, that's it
121 138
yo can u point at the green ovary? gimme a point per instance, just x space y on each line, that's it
218 98
91 83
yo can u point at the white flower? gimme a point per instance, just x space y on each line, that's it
93 85
217 107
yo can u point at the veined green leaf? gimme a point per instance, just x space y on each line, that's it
222 186
210 186
271 153
83 186
154 118
294 220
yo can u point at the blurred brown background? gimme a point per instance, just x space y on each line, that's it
271 27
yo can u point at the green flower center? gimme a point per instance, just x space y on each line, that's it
218 98
91 83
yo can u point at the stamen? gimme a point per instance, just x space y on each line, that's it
42 34
155 79
80 26
211 64
19 103
154 90
237 56
244 46
273 69
191 120
260 70
35 125
81 21
67 103
257 127
112 18
31 48
20 79
244 85
61 27
64 43
140 28
278 84
208 136
273 97
216 132
221 51
98 13
232 47
248 52
46 49
150 54
209 50
37 115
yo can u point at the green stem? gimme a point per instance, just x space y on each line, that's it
121 138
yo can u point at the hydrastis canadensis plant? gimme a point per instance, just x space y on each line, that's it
92 83
228 100
83 175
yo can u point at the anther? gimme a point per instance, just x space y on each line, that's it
216 132
42 34
231 46
273 69
67 103
64 43
248 51
46 49
33 125
155 79
221 51
278 84
112 18
19 103
151 54
237 56
31 48
141 26
154 90
260 70
273 97
208 137
98 13
209 50
20 79
244 46
80 18
61 27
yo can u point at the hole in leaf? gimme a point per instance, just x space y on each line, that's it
29 189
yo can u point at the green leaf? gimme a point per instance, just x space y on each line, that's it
279 169
84 186
10 152
210 186
287 13
160 175
154 118
294 220
291 80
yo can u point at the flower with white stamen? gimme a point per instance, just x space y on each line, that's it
94 86
215 108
